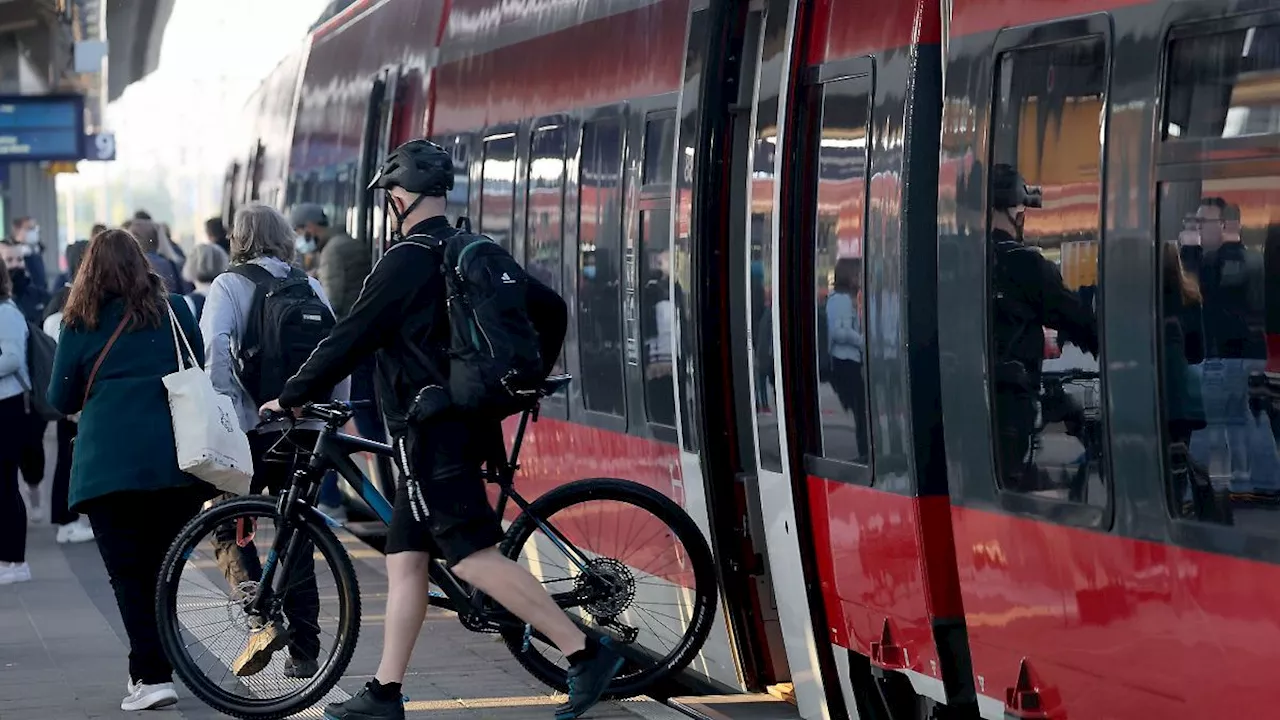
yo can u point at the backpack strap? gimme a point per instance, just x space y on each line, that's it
254 273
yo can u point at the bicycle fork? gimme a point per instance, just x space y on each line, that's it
286 545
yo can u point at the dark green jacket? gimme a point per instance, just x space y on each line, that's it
125 440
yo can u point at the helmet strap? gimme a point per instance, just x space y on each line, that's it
397 233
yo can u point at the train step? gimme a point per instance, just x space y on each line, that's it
759 706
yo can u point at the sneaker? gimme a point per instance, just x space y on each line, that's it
149 697
364 705
11 573
300 669
589 678
74 532
257 653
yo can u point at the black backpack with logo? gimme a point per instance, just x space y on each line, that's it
287 320
506 328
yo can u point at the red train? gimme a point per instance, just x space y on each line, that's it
770 218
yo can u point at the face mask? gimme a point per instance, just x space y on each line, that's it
33 236
304 244
589 272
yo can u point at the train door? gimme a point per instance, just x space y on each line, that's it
728 433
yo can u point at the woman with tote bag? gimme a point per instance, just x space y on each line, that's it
116 345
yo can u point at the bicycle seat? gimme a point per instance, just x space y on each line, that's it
555 384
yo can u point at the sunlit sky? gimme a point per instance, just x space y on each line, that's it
214 54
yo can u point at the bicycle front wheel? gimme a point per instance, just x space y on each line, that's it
248 664
626 562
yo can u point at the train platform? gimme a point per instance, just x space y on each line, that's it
63 653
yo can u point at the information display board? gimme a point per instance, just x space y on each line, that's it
38 128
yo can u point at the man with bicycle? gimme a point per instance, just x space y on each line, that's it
401 316
1029 296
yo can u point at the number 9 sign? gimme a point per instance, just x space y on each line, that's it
104 147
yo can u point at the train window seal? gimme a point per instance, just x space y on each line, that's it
856 77
839 471
846 69
1031 37
582 412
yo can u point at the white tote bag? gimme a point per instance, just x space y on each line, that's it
210 443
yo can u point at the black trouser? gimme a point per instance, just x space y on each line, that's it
134 530
13 512
59 513
851 389
31 461
1015 424
240 563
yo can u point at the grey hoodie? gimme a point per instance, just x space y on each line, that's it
223 325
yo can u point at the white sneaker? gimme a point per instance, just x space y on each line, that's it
149 697
75 532
11 573
35 508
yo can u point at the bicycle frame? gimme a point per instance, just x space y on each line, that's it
332 450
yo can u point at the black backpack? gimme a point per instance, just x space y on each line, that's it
506 328
40 352
287 320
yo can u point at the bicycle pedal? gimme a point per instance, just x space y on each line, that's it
528 638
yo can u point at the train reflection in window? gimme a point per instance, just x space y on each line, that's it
1220 257
1044 277
599 290
544 211
1225 84
657 316
497 187
840 319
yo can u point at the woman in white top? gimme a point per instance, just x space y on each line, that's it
14 381
847 345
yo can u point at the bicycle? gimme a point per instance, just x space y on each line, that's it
603 588
1081 420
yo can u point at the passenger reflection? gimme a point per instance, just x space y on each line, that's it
846 345
1237 446
1184 403
658 374
1030 295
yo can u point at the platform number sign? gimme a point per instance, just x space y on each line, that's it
102 147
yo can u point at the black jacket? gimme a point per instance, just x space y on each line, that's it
1233 282
1029 295
401 316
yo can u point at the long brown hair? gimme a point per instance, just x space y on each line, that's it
114 267
1176 278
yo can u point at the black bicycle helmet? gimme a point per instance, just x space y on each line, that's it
419 166
1009 189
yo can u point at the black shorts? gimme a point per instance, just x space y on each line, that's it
444 460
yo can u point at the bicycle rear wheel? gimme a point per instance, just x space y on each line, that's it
643 572
208 581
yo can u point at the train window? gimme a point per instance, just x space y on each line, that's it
1044 222
544 211
657 310
497 187
599 257
657 316
659 149
1224 84
839 271
459 195
1219 257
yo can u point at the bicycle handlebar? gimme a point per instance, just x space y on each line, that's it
1067 376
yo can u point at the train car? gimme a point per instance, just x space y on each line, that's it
1130 597
770 220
